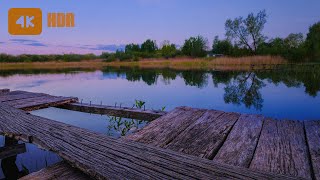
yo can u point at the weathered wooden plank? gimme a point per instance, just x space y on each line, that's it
164 129
18 95
13 150
282 149
133 113
241 143
312 129
39 102
4 91
36 100
59 171
103 157
206 135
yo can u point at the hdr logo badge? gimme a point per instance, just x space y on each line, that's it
25 21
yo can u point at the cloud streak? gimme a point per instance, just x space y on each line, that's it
28 42
101 47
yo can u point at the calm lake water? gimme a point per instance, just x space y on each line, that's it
290 93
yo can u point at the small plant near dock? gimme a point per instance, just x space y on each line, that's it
122 125
139 104
163 108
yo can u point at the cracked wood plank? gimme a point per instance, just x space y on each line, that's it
282 149
103 157
313 136
241 143
206 135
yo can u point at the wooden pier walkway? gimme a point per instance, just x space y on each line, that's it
248 141
186 143
103 157
30 101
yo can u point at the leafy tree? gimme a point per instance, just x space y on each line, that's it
122 56
274 47
221 46
168 50
149 46
313 41
132 48
247 32
195 47
294 40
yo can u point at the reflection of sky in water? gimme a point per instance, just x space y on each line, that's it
278 100
33 159
99 123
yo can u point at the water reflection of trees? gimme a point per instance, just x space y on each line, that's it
123 126
297 76
245 89
240 87
195 78
8 73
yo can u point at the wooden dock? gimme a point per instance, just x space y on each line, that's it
248 141
186 143
29 101
103 157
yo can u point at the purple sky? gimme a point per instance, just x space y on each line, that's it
103 25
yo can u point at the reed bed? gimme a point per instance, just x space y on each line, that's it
222 63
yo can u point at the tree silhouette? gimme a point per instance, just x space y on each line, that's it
245 89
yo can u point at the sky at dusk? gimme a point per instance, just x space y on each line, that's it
104 25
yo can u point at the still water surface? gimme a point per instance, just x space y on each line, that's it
285 94
290 94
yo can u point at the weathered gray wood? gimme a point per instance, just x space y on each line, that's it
312 129
103 157
241 143
18 95
133 113
163 130
282 149
59 171
29 101
13 150
40 102
4 91
206 135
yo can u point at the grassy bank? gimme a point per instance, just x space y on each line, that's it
223 63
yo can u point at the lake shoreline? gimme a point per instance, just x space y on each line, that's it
222 63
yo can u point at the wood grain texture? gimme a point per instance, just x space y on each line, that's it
312 129
19 95
29 101
206 135
134 113
241 143
282 149
163 130
103 157
59 171
13 150
4 91
40 102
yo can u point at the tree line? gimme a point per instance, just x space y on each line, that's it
244 37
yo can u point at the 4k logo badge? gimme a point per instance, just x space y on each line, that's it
25 21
